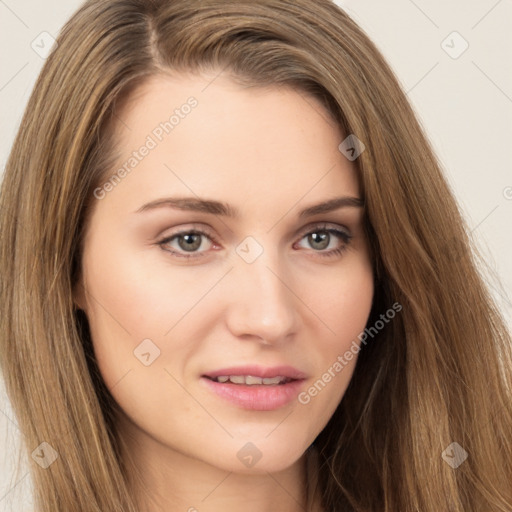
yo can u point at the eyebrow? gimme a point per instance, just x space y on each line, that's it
218 208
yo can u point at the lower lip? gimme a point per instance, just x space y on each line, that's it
257 397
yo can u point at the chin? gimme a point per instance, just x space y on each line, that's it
261 456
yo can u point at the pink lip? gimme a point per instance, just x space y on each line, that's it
257 397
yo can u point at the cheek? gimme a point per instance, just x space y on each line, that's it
140 312
122 308
343 301
135 297
342 310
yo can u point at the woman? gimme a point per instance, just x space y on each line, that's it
173 338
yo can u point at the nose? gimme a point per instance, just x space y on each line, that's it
262 303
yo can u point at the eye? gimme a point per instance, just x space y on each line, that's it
188 242
321 236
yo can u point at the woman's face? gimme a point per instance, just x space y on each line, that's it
198 263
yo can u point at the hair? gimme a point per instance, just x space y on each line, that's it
438 373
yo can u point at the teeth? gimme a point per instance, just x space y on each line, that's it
273 380
250 380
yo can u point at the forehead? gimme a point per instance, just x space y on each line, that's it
208 136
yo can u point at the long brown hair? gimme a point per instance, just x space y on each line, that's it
439 373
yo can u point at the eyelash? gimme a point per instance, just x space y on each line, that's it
345 237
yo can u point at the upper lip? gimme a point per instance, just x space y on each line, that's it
259 371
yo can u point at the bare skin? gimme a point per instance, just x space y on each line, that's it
269 153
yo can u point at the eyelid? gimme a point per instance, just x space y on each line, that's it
191 228
324 225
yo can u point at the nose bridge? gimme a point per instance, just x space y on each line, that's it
262 304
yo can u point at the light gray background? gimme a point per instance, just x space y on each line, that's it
464 104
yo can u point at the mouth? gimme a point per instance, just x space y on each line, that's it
256 388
